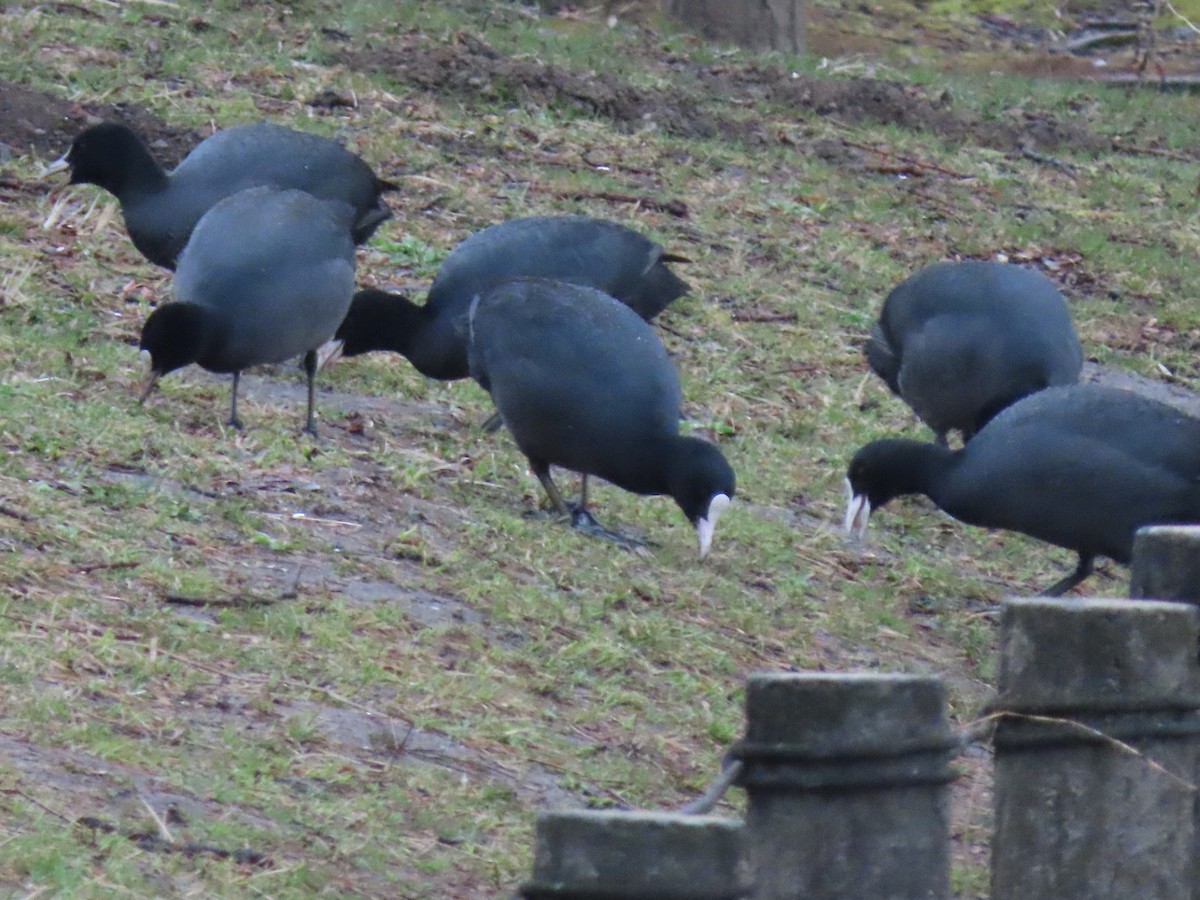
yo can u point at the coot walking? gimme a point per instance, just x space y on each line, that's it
267 275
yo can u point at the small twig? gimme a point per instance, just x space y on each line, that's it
13 513
162 826
37 803
676 208
976 731
96 567
153 842
89 630
908 160
1153 151
1030 153
237 601
714 792
1186 21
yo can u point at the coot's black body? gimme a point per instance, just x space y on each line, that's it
161 208
960 341
267 276
577 249
1079 466
582 382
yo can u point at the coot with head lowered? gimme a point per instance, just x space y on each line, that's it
960 341
433 337
584 383
267 276
162 208
1079 466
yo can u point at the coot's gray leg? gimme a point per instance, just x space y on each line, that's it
581 519
310 370
234 421
1082 571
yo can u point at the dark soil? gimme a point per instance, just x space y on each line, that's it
44 124
478 74
473 71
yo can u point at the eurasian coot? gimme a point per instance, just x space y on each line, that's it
266 276
433 337
959 341
1080 466
161 208
582 382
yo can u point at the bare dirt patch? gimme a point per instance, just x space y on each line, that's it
472 70
37 122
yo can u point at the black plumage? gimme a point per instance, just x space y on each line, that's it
266 276
1079 466
960 341
161 208
594 252
582 382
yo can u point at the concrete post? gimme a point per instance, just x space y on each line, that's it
1166 563
1078 815
607 855
847 777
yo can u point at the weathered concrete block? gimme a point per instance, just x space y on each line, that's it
1101 655
1166 563
597 854
847 777
1094 766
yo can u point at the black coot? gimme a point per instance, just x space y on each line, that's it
960 341
578 249
582 382
160 209
1080 466
267 276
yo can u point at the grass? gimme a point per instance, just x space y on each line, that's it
367 657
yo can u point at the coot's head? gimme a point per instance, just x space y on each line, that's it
703 484
882 471
174 336
104 154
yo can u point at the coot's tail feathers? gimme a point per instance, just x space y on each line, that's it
673 258
882 359
383 186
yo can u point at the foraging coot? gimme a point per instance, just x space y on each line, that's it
161 209
960 341
582 382
578 249
1080 466
267 275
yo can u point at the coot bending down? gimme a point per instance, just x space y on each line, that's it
583 383
1079 466
578 249
267 275
160 209
960 341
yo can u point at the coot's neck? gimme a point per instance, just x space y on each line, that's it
916 467
137 174
382 321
